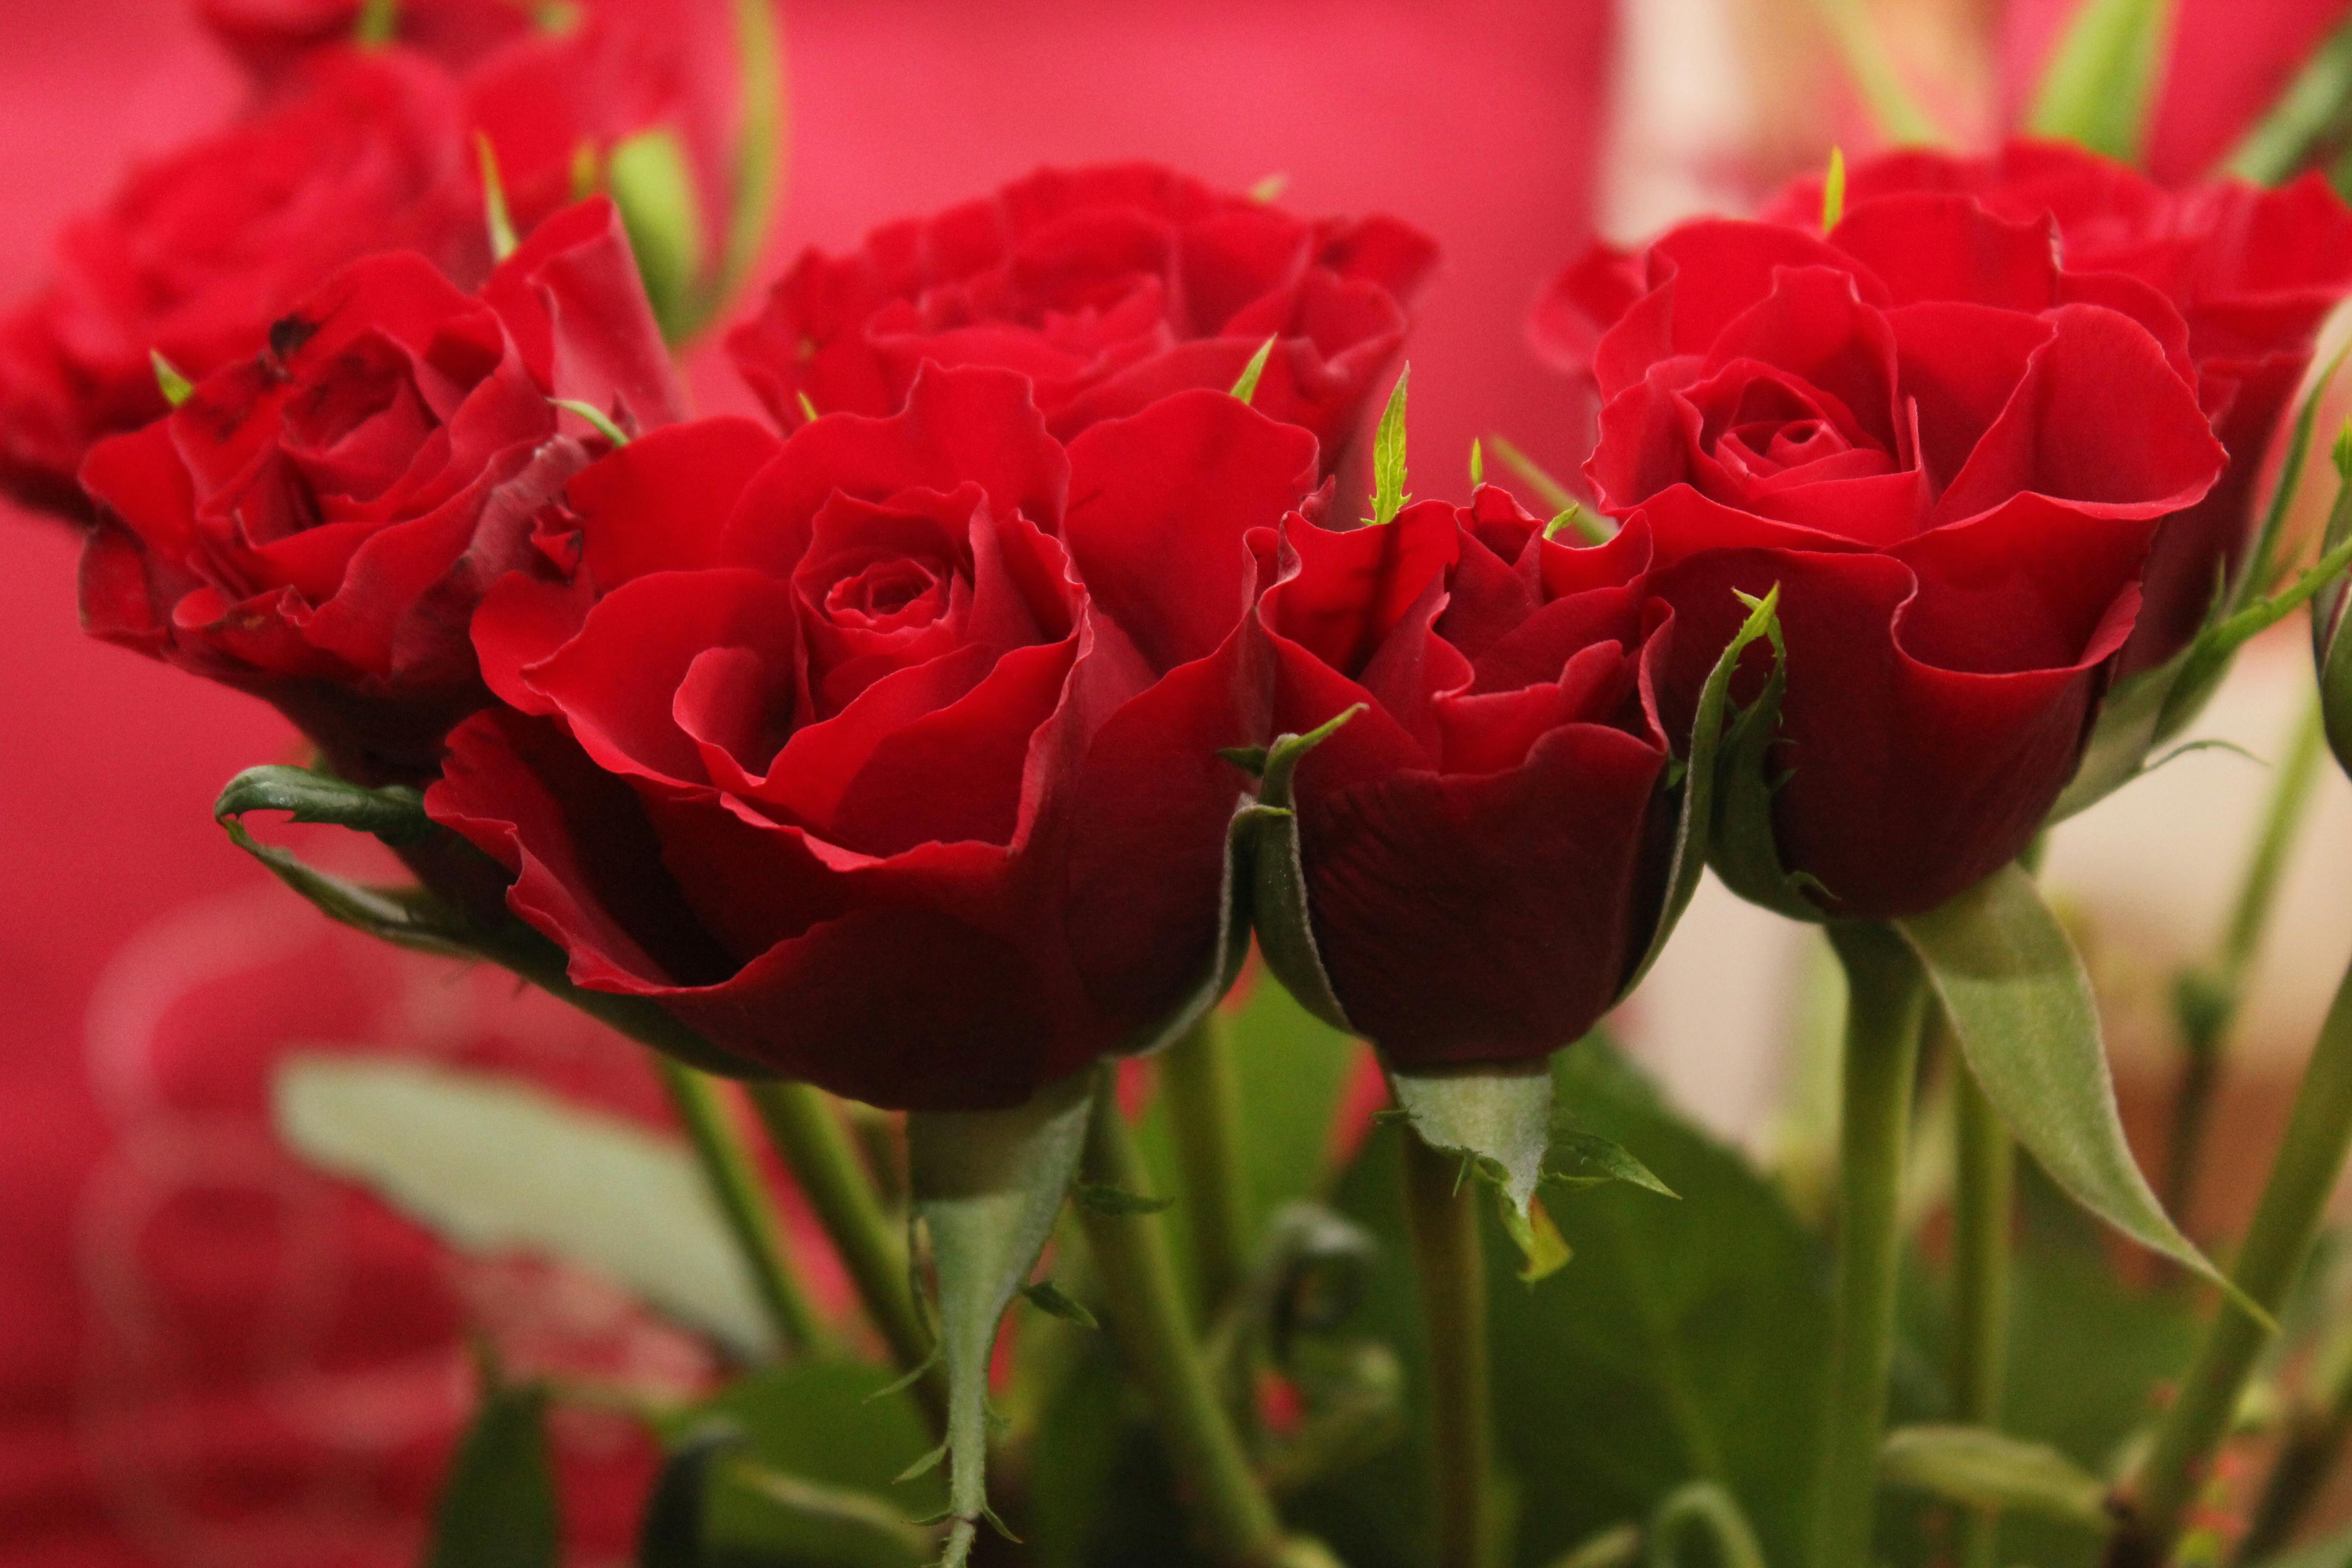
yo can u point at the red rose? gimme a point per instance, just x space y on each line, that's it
1107 288
199 253
1952 456
315 522
886 755
270 36
2253 272
1482 844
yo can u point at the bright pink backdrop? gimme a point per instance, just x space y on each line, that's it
205 1355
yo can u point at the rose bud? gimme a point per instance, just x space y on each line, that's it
885 756
1108 288
1484 843
197 254
314 524
1952 456
2253 272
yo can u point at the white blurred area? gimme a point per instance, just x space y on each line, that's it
1719 99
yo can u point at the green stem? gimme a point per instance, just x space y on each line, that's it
2315 1445
1885 992
2286 1221
1440 1211
808 1135
1203 1099
1983 1182
743 1203
2206 999
1148 1316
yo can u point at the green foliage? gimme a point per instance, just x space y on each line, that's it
394 814
497 1507
1286 931
493 1164
1979 1468
2100 85
1684 1343
2022 1007
1245 383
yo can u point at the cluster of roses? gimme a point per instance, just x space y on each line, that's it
894 746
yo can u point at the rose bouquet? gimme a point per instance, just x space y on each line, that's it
1026 756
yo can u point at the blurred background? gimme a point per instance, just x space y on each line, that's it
210 1356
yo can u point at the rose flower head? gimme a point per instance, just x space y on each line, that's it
1108 288
1952 456
885 756
2253 272
198 253
1485 843
315 523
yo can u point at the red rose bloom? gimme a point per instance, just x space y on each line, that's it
199 253
315 523
1951 455
1481 844
2253 272
270 36
1107 288
885 757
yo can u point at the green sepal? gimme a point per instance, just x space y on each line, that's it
175 387
1245 383
1098 1198
1478 463
601 421
1833 191
497 1507
988 1187
394 814
2020 1003
1251 760
1580 1159
2313 111
1388 456
1741 847
652 183
421 921
1701 768
1054 1302
1498 1121
1978 1467
2100 84
807 406
1286 932
2331 651
497 221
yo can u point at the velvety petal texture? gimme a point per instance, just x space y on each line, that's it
1109 288
316 522
1482 841
832 746
1952 449
2253 272
198 253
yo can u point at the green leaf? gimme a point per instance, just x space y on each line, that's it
2332 1550
2021 1005
1703 761
651 182
497 1508
1388 456
2208 657
1050 1298
1286 929
1245 383
395 815
176 388
988 1186
670 1532
1708 1506
2312 112
598 418
496 219
492 1165
1691 1332
1978 1467
773 1517
2100 84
